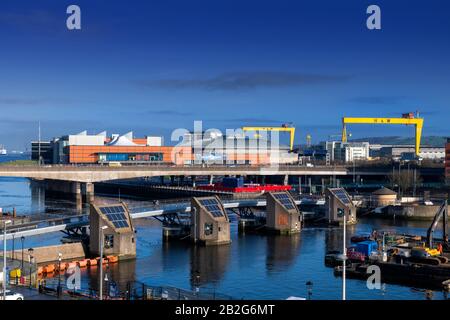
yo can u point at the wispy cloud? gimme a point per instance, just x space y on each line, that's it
378 100
322 126
13 101
169 113
244 120
245 80
49 123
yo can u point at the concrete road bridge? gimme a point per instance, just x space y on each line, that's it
97 173
79 179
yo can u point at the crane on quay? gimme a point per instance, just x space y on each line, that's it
407 119
285 127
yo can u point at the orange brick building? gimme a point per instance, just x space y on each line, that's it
99 154
100 149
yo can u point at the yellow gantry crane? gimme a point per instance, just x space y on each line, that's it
284 128
406 119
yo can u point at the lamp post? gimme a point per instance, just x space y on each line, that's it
22 240
344 292
309 286
197 282
341 213
4 257
106 284
30 260
344 261
409 176
354 177
13 241
101 244
31 269
59 274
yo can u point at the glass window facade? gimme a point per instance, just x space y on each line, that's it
131 157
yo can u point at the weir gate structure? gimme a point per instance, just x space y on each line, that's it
167 213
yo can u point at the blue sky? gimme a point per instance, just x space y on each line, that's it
153 66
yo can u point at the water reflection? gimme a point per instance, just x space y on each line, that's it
37 196
279 264
282 252
120 273
208 264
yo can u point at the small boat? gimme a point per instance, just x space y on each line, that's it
334 258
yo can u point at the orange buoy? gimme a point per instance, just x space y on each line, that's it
92 262
49 268
112 259
82 263
105 260
71 265
61 267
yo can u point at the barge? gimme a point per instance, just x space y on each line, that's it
245 188
415 274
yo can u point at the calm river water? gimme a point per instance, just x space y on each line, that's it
252 267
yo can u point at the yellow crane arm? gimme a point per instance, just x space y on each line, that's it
417 122
291 131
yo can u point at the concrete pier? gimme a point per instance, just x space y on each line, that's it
89 192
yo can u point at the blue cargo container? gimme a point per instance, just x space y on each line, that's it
232 182
366 247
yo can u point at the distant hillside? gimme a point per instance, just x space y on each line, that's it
432 141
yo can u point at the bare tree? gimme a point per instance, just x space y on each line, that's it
405 180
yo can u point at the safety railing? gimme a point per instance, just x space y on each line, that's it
141 291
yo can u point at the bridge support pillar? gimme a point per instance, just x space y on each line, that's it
76 186
299 184
286 180
310 186
89 192
193 178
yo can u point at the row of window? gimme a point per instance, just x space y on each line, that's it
105 157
